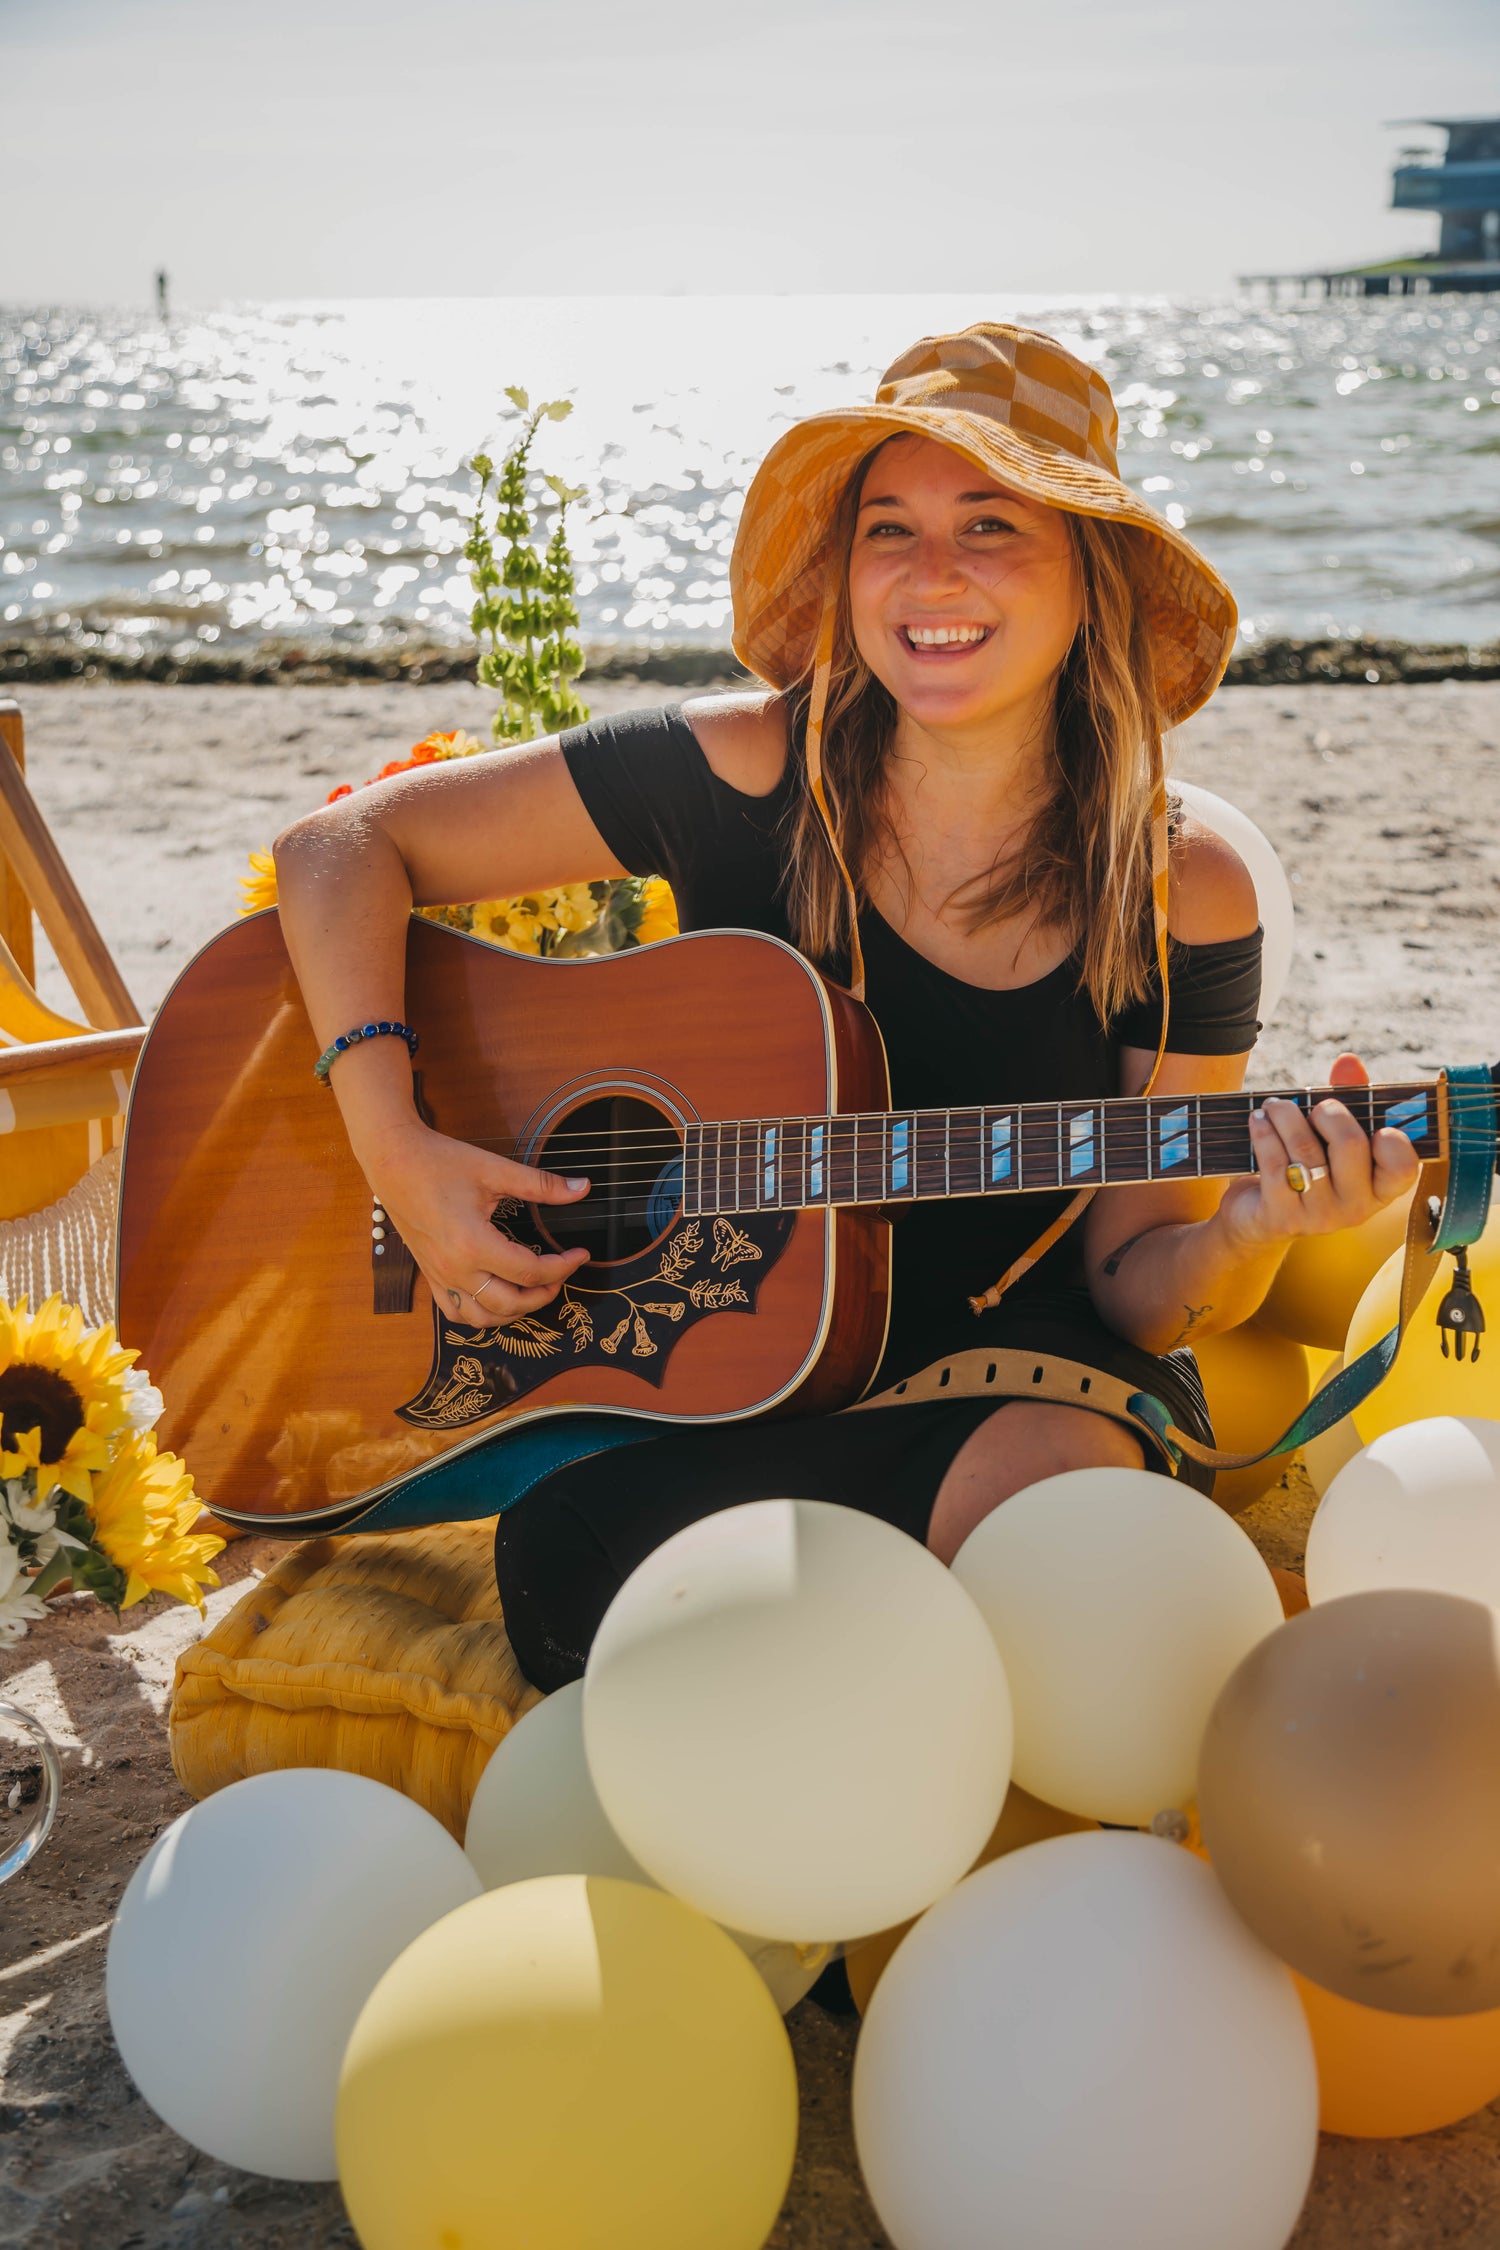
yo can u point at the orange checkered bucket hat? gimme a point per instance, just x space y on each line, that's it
1029 414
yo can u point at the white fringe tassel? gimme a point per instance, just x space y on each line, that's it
68 1248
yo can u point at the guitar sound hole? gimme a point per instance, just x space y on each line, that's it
632 1155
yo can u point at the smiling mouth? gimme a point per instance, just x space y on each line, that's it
944 641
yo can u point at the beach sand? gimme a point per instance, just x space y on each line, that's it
1384 806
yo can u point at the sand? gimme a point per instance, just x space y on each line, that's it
1383 804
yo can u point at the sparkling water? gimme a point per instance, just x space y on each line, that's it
300 471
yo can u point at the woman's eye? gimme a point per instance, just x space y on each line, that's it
991 523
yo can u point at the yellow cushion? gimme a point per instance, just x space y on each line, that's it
385 1656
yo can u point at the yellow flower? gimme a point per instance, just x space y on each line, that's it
455 745
660 917
258 888
144 1509
521 923
573 907
65 1396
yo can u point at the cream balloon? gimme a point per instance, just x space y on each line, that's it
1083 2045
1273 893
1120 1603
536 1812
796 1720
247 1942
1420 1506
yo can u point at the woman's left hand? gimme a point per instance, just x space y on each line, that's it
1359 1176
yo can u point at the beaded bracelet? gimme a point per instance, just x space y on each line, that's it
330 1055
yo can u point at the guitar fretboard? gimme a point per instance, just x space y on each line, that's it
914 1156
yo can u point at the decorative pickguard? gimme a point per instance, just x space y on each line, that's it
703 1266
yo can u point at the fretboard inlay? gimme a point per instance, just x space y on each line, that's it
791 1163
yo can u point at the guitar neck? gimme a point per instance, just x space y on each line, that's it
928 1155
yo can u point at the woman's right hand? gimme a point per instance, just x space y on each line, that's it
439 1194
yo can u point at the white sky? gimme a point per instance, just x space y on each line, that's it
350 148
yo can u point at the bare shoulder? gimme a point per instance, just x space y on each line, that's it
1212 894
743 736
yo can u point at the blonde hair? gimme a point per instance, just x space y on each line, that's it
1085 863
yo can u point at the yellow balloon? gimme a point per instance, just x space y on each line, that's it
1023 1820
1322 1278
1256 1382
572 2061
1422 1383
1324 1456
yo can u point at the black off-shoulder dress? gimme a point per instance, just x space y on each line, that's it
563 1550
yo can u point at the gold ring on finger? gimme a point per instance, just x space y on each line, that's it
1300 1177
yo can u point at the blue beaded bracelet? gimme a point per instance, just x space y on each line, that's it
330 1055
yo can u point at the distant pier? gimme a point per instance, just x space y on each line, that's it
1462 185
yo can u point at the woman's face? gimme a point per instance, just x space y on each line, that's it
964 597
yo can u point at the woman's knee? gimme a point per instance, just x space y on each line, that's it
1019 1444
555 1582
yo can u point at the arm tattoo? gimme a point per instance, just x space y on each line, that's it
1116 1257
1195 1314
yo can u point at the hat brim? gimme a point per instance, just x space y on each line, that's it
776 573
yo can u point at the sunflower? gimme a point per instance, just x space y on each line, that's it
144 1509
258 888
658 912
66 1394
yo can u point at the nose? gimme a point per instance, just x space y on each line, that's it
935 566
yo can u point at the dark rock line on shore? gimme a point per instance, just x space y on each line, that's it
1282 663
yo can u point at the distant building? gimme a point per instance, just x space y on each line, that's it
1461 183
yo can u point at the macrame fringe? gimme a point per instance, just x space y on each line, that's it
67 1249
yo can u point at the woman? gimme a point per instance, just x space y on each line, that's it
973 633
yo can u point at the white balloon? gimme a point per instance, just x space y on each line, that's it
247 1942
1083 2046
1419 1506
1120 1603
1272 890
536 1812
795 1718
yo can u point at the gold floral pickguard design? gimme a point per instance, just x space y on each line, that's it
704 1266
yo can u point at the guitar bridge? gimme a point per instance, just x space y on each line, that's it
393 1269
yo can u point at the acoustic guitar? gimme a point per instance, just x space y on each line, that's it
731 1109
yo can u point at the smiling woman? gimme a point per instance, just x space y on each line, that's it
950 796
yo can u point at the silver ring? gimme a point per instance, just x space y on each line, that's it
478 1294
1300 1177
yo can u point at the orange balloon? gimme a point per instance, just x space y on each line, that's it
1381 2077
1256 1382
1384 2077
1023 1820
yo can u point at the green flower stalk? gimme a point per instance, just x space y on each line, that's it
525 607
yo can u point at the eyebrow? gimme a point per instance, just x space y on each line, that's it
965 499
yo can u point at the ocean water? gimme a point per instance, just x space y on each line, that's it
300 470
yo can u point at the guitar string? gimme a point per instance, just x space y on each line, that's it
1460 1100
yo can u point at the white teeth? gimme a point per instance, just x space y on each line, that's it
943 636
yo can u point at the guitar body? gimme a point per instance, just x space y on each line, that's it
305 1367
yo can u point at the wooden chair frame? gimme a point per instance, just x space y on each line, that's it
67 1074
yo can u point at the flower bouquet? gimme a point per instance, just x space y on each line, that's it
85 1497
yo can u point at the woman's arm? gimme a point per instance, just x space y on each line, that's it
1171 1261
348 877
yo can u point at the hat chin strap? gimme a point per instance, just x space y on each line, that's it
817 710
